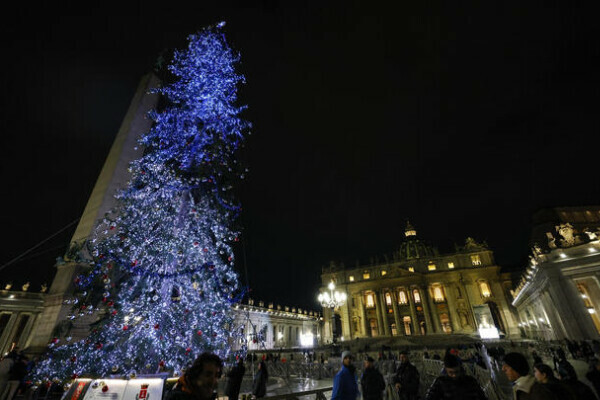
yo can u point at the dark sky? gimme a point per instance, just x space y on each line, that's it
464 119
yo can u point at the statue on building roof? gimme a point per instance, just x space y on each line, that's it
471 243
566 231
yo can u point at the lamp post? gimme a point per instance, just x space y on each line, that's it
332 300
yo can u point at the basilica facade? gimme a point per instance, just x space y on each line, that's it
418 291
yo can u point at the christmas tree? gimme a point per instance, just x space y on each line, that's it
161 279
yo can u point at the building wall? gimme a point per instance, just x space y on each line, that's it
560 297
20 312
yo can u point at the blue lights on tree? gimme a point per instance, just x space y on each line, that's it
161 281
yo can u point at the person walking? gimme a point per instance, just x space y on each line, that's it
406 380
234 380
454 384
344 382
199 382
371 381
259 388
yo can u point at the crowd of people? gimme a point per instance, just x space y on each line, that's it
535 381
553 380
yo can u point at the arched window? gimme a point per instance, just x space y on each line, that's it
402 297
438 295
485 289
417 296
388 299
370 300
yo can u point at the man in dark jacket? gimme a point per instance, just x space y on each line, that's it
344 383
234 380
455 384
372 382
406 379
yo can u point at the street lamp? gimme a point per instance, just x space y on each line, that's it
332 300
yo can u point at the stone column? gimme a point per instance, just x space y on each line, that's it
500 298
396 315
363 316
8 331
378 310
555 321
429 328
434 313
413 313
564 306
454 318
384 308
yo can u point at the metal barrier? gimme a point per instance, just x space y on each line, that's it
319 394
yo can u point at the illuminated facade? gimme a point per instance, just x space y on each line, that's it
558 296
417 291
267 327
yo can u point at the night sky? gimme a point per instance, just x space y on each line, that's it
463 119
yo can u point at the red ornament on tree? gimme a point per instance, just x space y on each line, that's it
199 333
161 364
104 388
156 326
125 327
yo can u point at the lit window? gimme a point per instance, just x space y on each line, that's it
388 299
383 272
366 275
411 269
431 267
475 259
450 265
438 295
370 301
417 296
485 289
402 297
351 278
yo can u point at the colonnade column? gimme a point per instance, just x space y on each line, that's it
396 316
454 318
379 312
386 324
363 315
429 328
434 313
413 313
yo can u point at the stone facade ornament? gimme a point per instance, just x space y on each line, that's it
551 240
44 288
566 231
25 287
